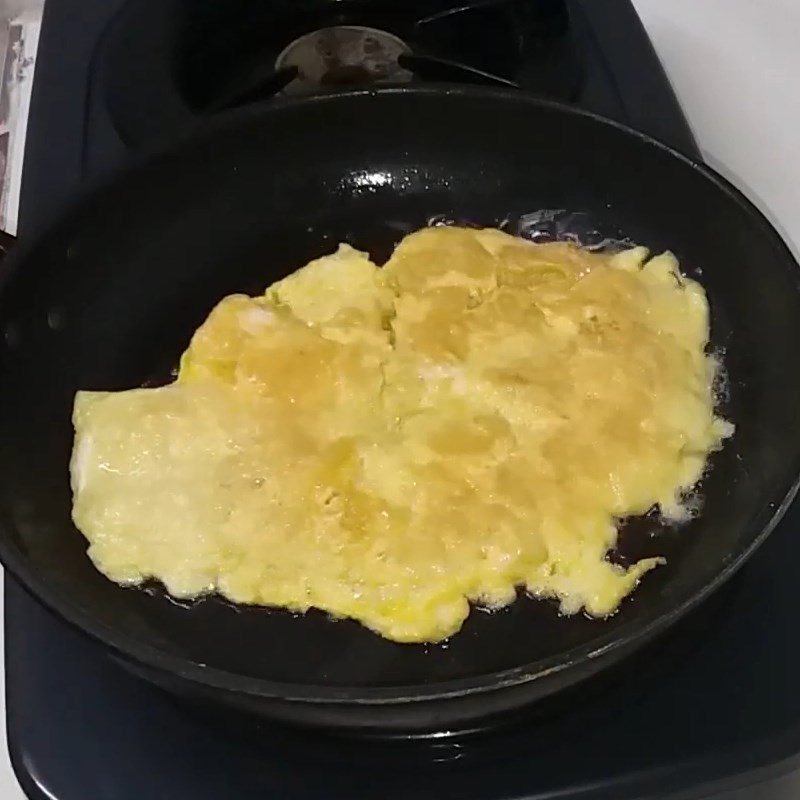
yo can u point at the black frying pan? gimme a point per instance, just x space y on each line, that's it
110 296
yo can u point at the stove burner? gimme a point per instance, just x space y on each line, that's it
162 64
344 55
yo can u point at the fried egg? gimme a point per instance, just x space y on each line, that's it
398 444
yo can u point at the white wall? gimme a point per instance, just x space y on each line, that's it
735 65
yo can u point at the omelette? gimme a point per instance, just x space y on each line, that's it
398 444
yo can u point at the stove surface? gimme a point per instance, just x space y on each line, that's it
711 706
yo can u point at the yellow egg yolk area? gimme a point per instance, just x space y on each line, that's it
389 444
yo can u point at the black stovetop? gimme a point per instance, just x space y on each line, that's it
711 707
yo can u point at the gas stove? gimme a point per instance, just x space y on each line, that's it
707 708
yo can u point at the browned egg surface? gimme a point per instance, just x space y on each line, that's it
389 444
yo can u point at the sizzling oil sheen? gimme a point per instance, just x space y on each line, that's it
389 444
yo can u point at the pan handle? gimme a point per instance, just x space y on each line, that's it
6 242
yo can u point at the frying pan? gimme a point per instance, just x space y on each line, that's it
109 296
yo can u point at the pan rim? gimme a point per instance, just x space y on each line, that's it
632 634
